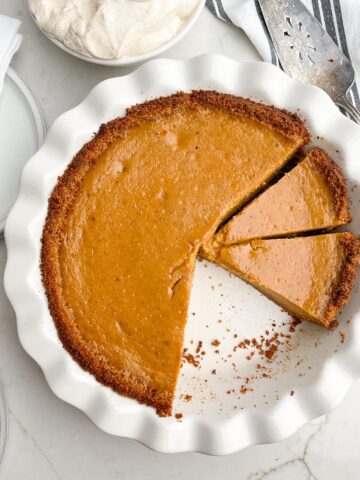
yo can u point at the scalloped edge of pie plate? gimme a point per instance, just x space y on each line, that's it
37 333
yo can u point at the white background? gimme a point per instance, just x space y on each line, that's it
51 440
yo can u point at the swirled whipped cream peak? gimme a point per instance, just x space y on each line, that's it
112 29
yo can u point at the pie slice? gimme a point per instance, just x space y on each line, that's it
126 219
310 277
312 196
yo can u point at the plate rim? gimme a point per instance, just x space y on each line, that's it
216 438
4 423
38 116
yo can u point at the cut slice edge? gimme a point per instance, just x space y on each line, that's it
312 196
341 286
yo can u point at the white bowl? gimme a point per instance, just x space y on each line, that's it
210 423
125 62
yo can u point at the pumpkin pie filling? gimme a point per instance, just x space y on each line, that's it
310 277
126 220
312 196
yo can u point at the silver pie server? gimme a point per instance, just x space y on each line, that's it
307 52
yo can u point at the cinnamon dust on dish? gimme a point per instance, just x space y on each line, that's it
199 346
275 338
245 387
271 352
178 416
294 324
189 357
265 347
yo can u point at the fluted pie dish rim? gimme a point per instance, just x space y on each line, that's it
23 231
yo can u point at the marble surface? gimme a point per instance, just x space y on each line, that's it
49 439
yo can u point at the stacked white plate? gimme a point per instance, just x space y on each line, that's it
22 131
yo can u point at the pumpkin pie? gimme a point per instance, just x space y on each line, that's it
311 196
126 219
310 277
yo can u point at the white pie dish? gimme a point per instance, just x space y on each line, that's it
210 423
125 62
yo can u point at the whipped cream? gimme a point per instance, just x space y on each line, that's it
112 29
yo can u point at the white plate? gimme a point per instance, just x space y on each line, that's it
319 377
22 131
3 423
123 62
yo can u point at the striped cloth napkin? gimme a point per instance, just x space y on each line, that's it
10 41
340 18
